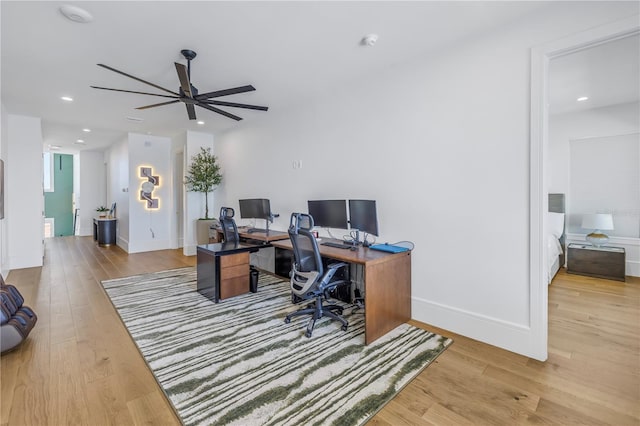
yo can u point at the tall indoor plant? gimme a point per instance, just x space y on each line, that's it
203 175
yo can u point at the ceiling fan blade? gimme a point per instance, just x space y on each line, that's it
219 111
235 105
160 104
138 79
191 111
225 92
132 91
183 76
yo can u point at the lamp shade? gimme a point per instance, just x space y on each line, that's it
601 221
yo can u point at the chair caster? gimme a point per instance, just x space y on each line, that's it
344 328
287 320
307 334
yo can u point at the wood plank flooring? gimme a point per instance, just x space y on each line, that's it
79 365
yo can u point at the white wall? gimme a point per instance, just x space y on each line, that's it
4 144
92 188
442 144
24 200
150 229
597 122
117 159
195 201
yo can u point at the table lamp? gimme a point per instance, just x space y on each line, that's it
597 222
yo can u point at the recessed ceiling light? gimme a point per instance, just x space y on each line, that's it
86 130
79 141
369 39
582 98
54 147
67 98
76 14
201 123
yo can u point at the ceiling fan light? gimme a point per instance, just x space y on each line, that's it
76 14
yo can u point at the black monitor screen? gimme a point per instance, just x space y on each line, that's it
329 213
255 208
362 216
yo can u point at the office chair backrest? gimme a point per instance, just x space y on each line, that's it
305 247
228 224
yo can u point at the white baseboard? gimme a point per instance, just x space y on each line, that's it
189 250
85 231
19 262
151 245
512 337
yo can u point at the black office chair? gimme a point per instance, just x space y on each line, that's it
309 280
228 225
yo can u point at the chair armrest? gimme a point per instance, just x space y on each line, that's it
335 266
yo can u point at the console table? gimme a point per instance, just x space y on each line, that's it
104 231
387 285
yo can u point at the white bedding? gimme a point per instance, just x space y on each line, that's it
554 248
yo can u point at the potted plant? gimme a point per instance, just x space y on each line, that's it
102 211
203 175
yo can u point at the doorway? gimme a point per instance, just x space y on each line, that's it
58 195
540 58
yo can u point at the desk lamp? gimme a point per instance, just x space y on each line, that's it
597 222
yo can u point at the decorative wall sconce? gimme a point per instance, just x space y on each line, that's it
148 186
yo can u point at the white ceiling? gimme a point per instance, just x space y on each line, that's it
290 51
608 74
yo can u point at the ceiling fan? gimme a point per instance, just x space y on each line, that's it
188 94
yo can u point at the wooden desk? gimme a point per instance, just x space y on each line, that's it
387 285
244 234
223 269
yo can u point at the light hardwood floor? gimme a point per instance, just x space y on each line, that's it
79 365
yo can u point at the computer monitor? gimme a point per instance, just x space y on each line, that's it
363 217
255 208
329 213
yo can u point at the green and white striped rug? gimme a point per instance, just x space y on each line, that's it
237 362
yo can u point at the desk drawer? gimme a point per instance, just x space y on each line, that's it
234 259
235 286
234 271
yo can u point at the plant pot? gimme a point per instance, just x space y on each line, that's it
203 236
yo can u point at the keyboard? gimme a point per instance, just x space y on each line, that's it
335 245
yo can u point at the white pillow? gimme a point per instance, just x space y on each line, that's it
556 223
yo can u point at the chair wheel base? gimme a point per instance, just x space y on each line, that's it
287 320
344 328
307 334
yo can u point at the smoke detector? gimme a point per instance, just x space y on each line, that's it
370 39
76 14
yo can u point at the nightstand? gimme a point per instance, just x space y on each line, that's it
600 262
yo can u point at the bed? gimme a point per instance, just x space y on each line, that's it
555 235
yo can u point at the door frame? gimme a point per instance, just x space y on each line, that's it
538 191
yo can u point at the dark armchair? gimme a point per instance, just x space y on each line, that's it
228 225
309 279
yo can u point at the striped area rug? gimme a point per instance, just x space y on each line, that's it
238 363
